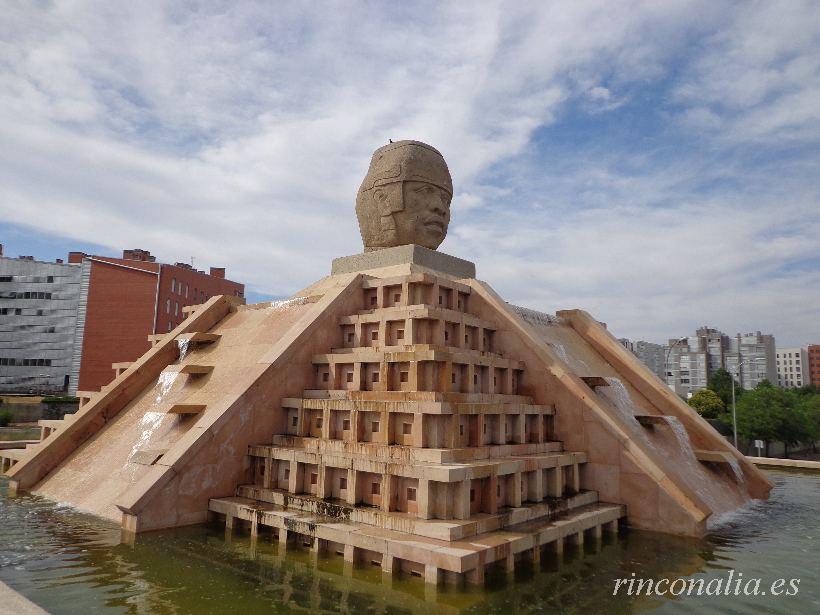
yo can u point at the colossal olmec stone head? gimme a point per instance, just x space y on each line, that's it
405 197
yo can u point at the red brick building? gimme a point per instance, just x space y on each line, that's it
124 300
814 364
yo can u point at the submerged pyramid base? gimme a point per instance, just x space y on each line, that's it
400 414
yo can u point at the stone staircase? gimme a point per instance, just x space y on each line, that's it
417 450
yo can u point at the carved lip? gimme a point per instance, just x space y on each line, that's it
434 225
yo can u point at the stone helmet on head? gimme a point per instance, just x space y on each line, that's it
405 197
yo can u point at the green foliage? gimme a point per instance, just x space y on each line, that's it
774 414
5 418
707 403
721 383
61 399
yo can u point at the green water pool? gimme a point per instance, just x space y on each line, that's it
68 562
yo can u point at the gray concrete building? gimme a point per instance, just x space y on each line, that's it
652 355
755 354
687 367
792 367
38 312
692 360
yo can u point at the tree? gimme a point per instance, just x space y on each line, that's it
759 413
707 403
791 428
773 414
721 383
808 409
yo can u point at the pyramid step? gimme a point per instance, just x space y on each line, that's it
185 409
190 309
192 369
86 396
503 468
53 423
442 529
651 420
402 354
119 368
407 454
715 457
148 457
594 382
199 337
481 406
391 396
465 558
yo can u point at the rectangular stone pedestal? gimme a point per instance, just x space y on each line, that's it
401 255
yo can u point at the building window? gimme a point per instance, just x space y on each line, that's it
313 478
375 488
407 429
349 376
295 421
176 308
287 473
374 335
403 376
374 377
411 494
168 307
342 482
346 425
374 426
173 285
170 325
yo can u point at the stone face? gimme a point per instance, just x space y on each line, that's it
405 197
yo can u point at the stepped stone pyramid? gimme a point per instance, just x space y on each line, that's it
398 413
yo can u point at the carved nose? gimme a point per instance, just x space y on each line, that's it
440 205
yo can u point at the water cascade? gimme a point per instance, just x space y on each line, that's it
617 394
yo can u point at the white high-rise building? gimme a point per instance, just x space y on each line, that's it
792 367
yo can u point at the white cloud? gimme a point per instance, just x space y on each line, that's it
238 133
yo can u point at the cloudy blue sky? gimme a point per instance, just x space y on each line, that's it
655 163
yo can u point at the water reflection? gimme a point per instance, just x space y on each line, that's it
72 563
